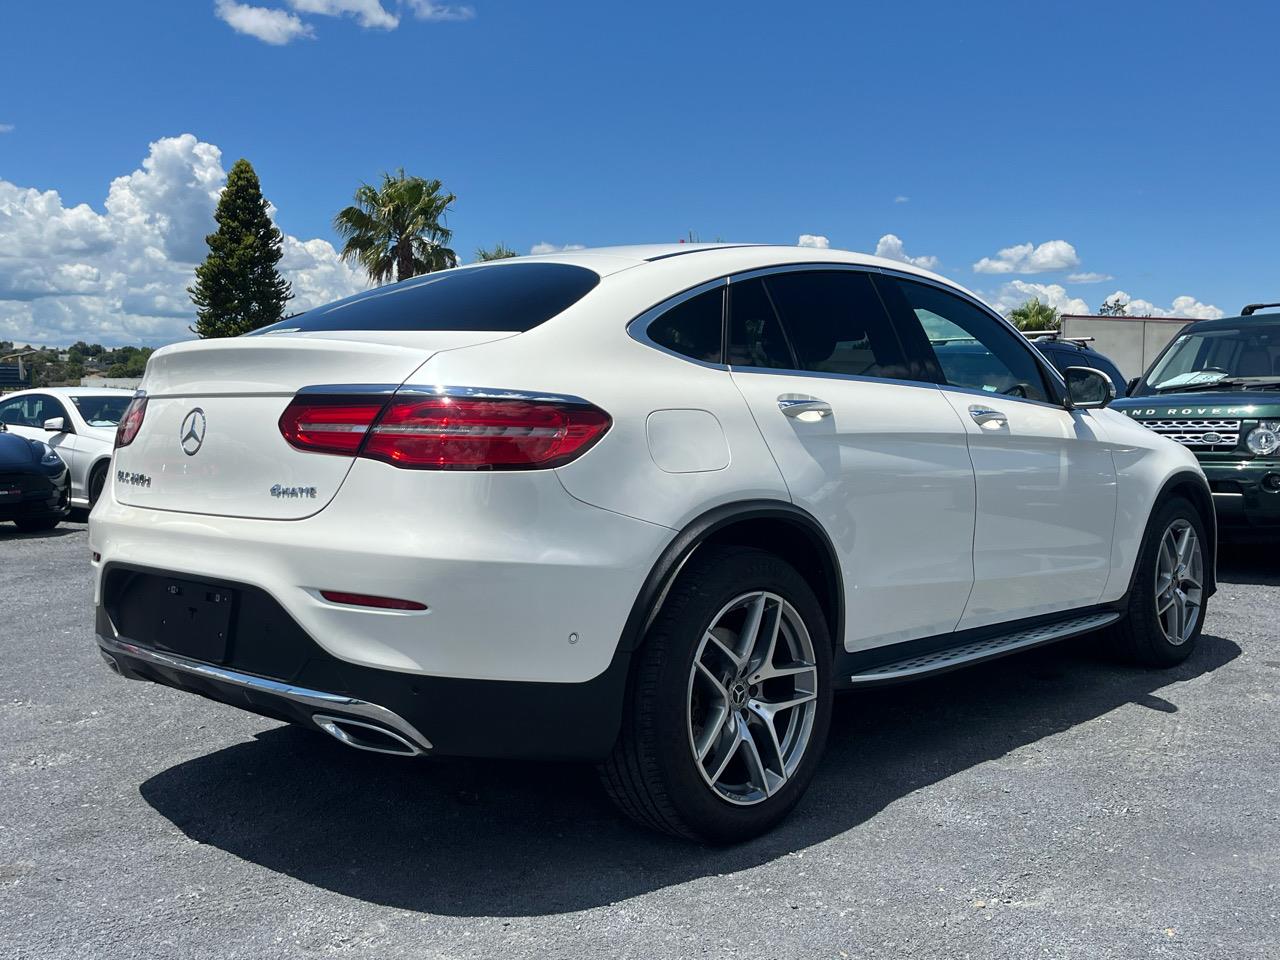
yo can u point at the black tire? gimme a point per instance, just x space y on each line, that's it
97 480
37 526
1139 636
652 774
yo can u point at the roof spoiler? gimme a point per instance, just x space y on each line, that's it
1251 308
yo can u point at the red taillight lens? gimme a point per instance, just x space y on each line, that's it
329 424
131 422
365 600
459 433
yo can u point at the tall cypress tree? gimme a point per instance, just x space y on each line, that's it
238 287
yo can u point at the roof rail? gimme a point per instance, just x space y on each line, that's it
1252 308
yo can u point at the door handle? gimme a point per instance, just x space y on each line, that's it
985 415
803 407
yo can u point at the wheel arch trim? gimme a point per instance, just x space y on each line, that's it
702 528
1208 515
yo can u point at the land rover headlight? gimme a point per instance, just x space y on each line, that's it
1264 439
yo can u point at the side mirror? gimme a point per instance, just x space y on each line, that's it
56 425
1088 388
1131 386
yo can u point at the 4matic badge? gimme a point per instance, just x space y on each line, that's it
293 493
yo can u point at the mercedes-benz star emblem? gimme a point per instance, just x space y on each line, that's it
191 436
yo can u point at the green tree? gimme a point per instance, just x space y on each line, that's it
1114 307
499 252
1034 315
238 287
397 229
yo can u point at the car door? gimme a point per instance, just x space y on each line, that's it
864 442
1046 479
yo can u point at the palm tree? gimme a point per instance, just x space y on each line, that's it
499 252
396 228
1034 315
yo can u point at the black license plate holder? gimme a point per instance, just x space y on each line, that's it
192 619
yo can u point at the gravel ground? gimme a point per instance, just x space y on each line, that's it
1046 805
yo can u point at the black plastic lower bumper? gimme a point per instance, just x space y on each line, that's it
1246 496
453 716
33 496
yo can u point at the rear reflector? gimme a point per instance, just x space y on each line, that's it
446 432
364 600
131 422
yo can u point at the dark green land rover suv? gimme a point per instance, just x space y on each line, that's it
1216 389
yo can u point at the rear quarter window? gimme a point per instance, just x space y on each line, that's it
511 297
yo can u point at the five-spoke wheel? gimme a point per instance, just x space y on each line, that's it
1179 589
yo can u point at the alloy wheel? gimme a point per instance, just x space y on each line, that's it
753 692
1179 591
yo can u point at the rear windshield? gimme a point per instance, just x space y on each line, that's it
510 297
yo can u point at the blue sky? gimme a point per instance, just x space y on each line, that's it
1136 140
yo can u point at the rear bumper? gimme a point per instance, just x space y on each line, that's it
1243 501
276 670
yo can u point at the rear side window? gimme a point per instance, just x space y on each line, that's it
755 336
694 328
506 297
837 324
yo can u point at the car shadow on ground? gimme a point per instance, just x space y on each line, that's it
1248 563
9 532
485 838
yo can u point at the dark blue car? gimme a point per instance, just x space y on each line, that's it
35 485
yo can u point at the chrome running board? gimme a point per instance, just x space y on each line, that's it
350 709
976 651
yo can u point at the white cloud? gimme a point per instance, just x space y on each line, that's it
901 199
890 247
1016 292
427 10
276 27
545 247
1028 258
6 128
368 13
1088 277
72 273
812 240
1184 306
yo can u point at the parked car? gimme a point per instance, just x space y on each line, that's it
1216 390
78 422
646 506
1067 352
35 488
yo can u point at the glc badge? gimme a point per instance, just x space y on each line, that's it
191 436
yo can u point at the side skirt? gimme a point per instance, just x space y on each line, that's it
934 655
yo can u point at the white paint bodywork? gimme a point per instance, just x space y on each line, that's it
939 524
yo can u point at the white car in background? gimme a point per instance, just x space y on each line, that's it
645 506
78 422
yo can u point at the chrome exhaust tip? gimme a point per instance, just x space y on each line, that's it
111 662
365 736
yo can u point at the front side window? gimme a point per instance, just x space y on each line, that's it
693 328
837 324
31 410
974 351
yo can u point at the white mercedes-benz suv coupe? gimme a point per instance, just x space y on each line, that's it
645 506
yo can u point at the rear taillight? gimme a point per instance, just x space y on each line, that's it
131 422
329 424
444 431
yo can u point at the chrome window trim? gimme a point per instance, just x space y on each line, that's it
824 375
638 327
